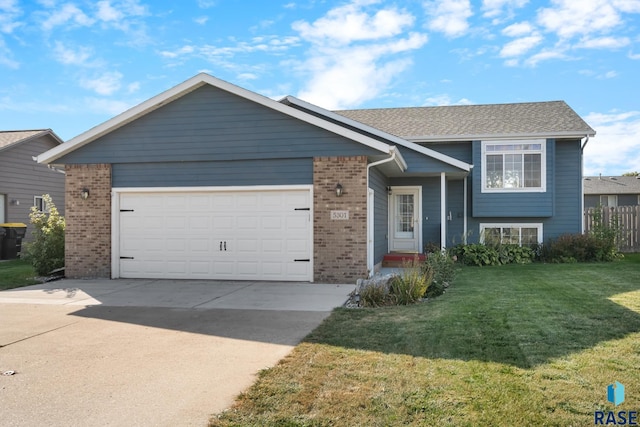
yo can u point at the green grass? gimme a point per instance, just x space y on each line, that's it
511 345
16 273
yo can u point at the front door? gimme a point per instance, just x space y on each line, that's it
404 206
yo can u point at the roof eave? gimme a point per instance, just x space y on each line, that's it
188 86
377 132
485 137
40 134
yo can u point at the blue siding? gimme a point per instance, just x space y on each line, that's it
211 173
378 182
564 177
455 206
458 150
430 206
210 124
568 213
505 205
420 163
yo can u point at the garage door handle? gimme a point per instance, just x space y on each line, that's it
223 245
301 209
126 257
302 260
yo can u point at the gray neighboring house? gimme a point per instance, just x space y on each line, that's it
22 180
209 180
611 191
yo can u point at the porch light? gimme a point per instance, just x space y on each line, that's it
339 190
84 194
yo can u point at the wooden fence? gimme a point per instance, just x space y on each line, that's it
628 221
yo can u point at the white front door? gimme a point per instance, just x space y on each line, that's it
404 216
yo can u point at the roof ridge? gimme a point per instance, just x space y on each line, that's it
454 106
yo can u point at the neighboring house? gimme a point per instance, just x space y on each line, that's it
23 182
612 191
209 180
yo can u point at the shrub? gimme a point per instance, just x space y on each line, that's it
580 248
46 252
515 254
373 295
411 284
479 254
444 272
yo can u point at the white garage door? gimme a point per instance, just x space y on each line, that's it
244 235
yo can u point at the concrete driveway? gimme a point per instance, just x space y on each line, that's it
145 352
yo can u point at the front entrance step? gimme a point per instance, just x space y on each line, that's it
396 260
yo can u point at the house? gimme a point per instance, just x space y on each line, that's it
209 180
612 191
22 180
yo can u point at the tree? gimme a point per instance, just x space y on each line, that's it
631 174
46 252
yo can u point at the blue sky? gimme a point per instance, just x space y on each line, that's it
70 65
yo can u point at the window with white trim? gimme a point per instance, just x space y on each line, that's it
517 234
514 166
40 204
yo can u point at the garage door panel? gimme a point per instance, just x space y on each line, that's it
216 235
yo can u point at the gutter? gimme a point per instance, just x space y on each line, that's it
402 164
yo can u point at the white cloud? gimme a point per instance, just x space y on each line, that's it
106 84
109 107
64 55
247 76
9 12
133 87
356 52
519 47
616 147
519 29
448 16
178 52
5 57
444 99
201 20
545 55
206 4
603 43
634 56
569 18
495 8
106 12
68 14
346 24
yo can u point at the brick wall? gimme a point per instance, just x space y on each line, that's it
340 246
88 222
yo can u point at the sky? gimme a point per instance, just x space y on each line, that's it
71 65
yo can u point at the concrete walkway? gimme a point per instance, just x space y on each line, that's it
145 352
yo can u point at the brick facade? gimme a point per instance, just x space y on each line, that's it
88 222
340 246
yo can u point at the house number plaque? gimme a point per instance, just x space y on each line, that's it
339 215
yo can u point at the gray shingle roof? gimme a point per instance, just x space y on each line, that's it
611 185
553 118
8 138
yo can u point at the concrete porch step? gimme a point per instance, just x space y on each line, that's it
396 259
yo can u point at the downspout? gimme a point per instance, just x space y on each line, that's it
584 144
370 257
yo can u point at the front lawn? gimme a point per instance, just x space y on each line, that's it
511 345
16 273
